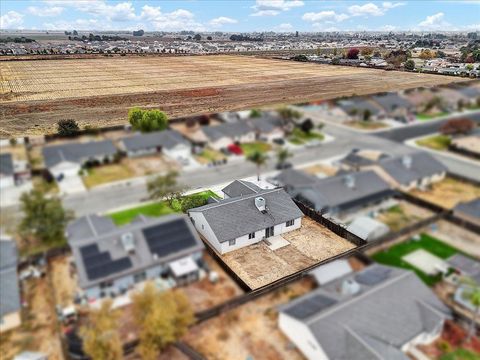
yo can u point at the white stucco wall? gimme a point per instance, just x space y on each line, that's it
221 143
66 168
178 152
302 337
205 230
6 182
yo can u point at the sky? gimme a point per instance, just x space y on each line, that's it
241 15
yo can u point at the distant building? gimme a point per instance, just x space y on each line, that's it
378 313
110 260
394 106
249 216
10 306
223 135
469 211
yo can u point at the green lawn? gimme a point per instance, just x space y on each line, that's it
154 209
461 354
209 155
258 146
424 116
393 256
299 137
436 142
107 173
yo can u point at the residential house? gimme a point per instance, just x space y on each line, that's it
357 160
268 127
169 142
339 196
357 108
68 159
416 170
472 93
251 216
110 260
7 174
395 106
378 313
468 211
466 266
10 305
223 135
240 188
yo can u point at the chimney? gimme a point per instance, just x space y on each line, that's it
349 181
128 242
407 161
260 204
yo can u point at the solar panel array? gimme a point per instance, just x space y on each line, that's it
100 264
310 306
373 276
168 238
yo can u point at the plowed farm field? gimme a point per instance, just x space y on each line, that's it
34 95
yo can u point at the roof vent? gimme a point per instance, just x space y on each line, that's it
350 287
128 242
261 204
407 161
349 181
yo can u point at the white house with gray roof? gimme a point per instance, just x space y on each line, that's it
169 142
223 135
380 313
9 290
110 260
248 217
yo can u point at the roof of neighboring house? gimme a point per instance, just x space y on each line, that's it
370 314
77 152
466 265
235 217
166 139
6 164
343 190
10 292
229 130
359 105
391 101
100 253
294 178
412 167
240 188
365 226
469 91
355 159
470 208
266 123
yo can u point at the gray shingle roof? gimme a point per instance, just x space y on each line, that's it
230 130
98 231
421 165
240 188
235 217
391 101
466 265
377 320
291 178
9 289
6 164
469 91
266 123
359 105
470 208
77 152
166 139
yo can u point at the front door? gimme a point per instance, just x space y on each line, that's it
269 232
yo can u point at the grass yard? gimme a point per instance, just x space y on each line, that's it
258 146
366 125
209 155
154 209
425 116
106 173
299 137
461 354
393 256
436 142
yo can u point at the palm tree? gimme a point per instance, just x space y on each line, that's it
259 159
282 155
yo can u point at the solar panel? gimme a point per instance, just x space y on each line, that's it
373 276
89 250
310 306
168 238
100 264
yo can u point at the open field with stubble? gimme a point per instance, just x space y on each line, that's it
35 94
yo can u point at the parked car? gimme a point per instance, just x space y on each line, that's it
235 149
284 165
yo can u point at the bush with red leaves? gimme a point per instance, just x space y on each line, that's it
457 126
353 53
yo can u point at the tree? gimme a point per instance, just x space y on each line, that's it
147 120
192 201
353 53
197 37
282 155
135 115
259 159
44 218
426 54
366 114
162 318
164 186
68 127
101 339
367 51
307 126
409 64
457 126
287 113
255 113
209 38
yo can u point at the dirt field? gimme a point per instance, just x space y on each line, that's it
36 94
249 331
402 215
257 265
448 193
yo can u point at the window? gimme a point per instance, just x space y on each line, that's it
290 222
231 242
251 235
203 227
139 277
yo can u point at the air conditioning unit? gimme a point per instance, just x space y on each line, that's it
128 242
261 204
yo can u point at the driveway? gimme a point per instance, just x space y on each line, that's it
71 185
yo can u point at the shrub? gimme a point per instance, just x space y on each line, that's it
457 126
68 127
353 53
307 125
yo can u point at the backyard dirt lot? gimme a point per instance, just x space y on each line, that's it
257 265
249 331
402 215
448 193
36 94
